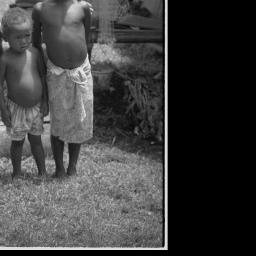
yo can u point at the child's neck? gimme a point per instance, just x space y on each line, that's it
17 53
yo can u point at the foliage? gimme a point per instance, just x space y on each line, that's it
145 105
144 89
136 8
141 69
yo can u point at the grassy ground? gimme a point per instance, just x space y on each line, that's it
115 201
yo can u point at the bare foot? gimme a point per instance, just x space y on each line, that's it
59 173
42 176
17 175
71 171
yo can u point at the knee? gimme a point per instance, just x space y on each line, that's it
56 141
18 143
34 140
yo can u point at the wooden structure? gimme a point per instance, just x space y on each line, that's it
132 36
130 28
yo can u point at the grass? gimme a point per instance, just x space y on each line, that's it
116 200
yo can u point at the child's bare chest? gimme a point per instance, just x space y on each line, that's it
23 80
55 18
19 66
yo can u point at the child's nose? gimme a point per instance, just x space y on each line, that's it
25 40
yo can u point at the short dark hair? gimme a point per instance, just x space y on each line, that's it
14 16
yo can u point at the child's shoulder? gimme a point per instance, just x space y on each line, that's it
33 50
5 53
2 56
5 56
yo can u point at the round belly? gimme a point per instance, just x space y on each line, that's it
66 51
26 95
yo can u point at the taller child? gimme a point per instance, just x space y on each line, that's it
65 27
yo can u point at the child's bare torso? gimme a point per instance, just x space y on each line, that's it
64 33
24 86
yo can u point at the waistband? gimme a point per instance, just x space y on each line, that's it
78 75
13 104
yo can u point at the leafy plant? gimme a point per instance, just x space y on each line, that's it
136 8
145 106
141 69
144 89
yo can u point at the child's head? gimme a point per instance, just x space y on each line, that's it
17 28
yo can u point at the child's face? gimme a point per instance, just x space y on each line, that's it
19 37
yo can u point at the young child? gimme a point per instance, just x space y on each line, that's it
65 26
21 67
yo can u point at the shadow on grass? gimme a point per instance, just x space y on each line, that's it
31 178
128 142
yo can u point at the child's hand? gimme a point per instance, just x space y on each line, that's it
6 118
44 109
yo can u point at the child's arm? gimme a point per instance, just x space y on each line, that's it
42 73
6 117
1 46
87 22
36 34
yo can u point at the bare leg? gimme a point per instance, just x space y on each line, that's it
57 150
38 153
74 150
89 50
16 152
